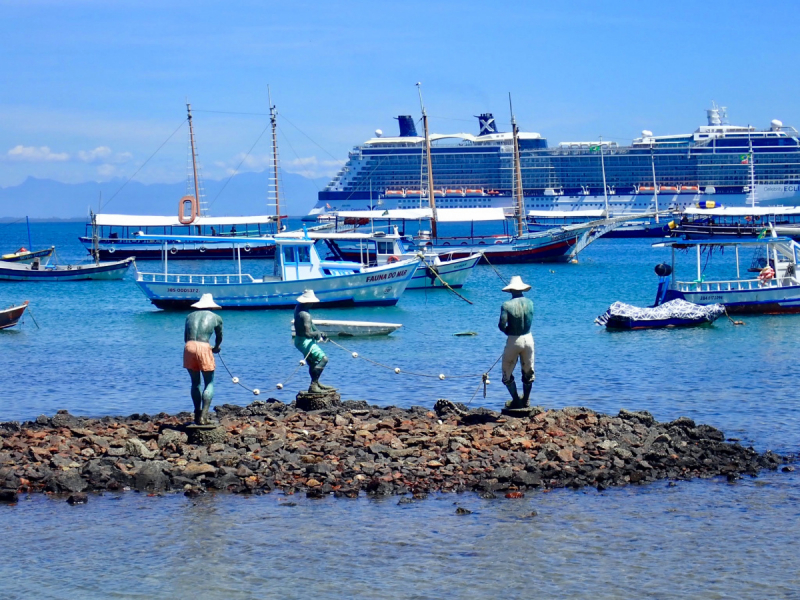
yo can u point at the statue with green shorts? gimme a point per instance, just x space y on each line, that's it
305 340
198 355
516 318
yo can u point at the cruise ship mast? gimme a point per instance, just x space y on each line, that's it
273 119
520 209
431 200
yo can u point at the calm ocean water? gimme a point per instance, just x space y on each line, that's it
103 349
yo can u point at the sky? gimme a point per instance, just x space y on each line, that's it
90 90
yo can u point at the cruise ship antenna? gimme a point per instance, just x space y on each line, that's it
517 176
431 199
273 119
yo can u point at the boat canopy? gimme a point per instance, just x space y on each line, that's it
173 221
443 215
566 214
204 238
742 211
717 242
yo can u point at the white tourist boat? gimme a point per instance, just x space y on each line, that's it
775 290
298 267
379 248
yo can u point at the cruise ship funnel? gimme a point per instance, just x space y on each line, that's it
487 124
407 127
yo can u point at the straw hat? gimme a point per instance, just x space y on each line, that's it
517 285
308 297
206 301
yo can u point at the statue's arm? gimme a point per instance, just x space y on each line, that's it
503 324
217 335
186 329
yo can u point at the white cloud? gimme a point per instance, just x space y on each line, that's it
99 153
34 154
310 166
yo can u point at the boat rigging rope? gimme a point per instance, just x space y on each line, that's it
731 320
236 170
503 279
431 269
102 206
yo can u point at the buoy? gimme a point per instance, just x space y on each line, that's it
303 362
256 392
355 354
441 375
235 380
279 386
396 370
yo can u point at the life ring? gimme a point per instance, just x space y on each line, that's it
111 249
393 259
766 274
247 248
193 210
173 250
202 248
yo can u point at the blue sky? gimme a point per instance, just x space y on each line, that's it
91 89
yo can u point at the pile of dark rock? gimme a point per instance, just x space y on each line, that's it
357 448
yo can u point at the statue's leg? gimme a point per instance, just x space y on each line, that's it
197 394
208 394
528 375
509 363
315 370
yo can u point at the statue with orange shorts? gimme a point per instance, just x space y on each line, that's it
198 355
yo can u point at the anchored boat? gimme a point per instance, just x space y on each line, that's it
298 267
10 316
24 255
352 328
775 290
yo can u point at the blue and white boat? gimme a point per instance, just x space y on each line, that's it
298 267
775 290
12 271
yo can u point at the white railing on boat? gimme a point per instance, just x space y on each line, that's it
725 286
195 279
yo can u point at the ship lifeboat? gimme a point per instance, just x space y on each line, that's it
455 193
665 189
438 193
394 194
552 192
475 192
646 188
413 193
492 193
690 189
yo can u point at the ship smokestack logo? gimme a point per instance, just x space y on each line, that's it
487 124
407 127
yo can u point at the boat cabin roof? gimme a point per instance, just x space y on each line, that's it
443 215
716 242
173 221
742 211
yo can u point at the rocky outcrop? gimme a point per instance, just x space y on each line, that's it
356 448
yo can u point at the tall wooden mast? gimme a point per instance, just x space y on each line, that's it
520 209
431 199
273 119
194 157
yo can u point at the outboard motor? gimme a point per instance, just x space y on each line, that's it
663 271
487 124
407 127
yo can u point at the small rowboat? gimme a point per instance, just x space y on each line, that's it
352 328
10 271
11 316
676 313
25 256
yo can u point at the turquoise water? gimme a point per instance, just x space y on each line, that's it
103 349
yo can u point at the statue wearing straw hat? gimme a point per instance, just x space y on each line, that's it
198 355
516 318
305 340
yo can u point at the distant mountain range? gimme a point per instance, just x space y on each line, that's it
245 194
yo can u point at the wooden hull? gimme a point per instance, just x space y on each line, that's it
22 272
514 253
453 272
11 316
353 328
27 257
144 250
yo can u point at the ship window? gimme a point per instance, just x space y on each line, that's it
288 253
303 254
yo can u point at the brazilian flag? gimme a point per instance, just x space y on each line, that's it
763 234
744 159
594 148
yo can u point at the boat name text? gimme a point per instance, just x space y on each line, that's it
384 276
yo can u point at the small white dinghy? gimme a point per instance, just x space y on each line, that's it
352 328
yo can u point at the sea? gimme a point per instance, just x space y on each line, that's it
100 348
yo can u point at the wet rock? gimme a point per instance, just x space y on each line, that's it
78 499
70 481
137 448
463 511
8 496
151 477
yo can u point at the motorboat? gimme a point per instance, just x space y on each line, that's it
23 255
297 268
36 271
332 328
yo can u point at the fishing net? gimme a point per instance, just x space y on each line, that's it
674 309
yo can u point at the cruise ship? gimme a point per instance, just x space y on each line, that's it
719 163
